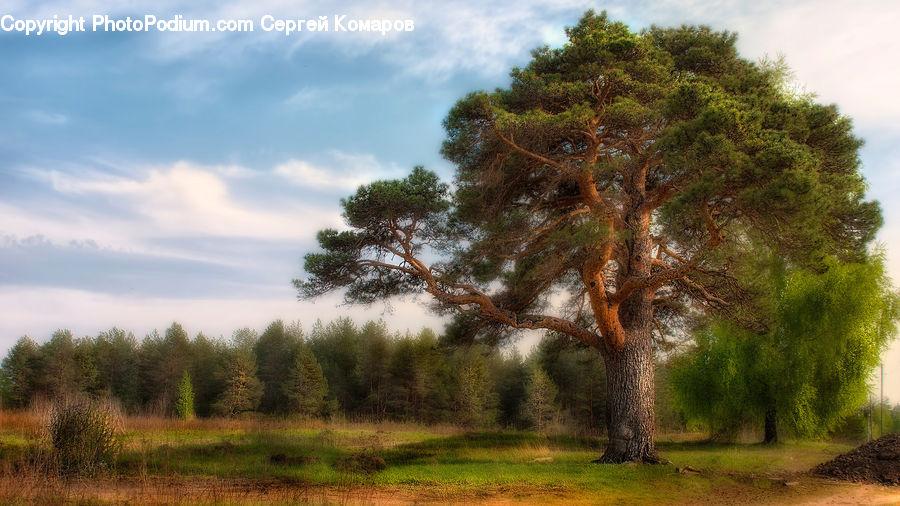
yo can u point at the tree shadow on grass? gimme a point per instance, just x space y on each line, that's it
428 450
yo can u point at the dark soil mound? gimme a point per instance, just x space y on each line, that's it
877 461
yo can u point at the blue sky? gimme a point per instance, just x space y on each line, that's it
152 177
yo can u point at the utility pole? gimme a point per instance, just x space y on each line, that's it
869 417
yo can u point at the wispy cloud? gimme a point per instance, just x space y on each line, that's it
339 170
47 118
319 98
178 200
134 207
836 50
463 36
302 173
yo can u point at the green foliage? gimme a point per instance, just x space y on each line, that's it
410 381
242 389
116 353
369 372
669 415
510 376
19 372
184 399
162 362
826 334
306 386
475 399
712 384
373 368
418 202
548 168
275 351
540 405
61 367
336 347
580 376
420 379
84 438
208 363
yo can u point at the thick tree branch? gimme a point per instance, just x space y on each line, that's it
531 154
466 294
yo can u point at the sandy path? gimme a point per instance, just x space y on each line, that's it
805 491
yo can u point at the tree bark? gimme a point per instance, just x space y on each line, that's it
630 420
771 427
629 382
629 415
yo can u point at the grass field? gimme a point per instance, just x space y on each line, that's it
282 461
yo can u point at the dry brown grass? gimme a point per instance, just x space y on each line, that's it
32 489
32 422
23 422
198 490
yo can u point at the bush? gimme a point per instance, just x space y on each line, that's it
84 438
184 403
361 463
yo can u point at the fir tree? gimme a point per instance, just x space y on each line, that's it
184 402
243 389
541 396
306 386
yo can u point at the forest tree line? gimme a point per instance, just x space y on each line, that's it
337 369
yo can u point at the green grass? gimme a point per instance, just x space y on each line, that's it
752 458
418 459
458 462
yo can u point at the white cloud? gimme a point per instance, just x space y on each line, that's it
185 199
302 173
481 37
234 171
842 52
163 211
151 210
345 171
449 37
838 52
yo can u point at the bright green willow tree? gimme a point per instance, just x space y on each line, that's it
809 370
613 169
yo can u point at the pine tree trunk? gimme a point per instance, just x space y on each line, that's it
771 426
629 413
630 420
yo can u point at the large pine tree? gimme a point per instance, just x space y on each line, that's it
615 169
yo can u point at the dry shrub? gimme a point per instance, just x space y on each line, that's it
84 437
361 463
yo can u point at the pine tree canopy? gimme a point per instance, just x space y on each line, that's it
622 169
